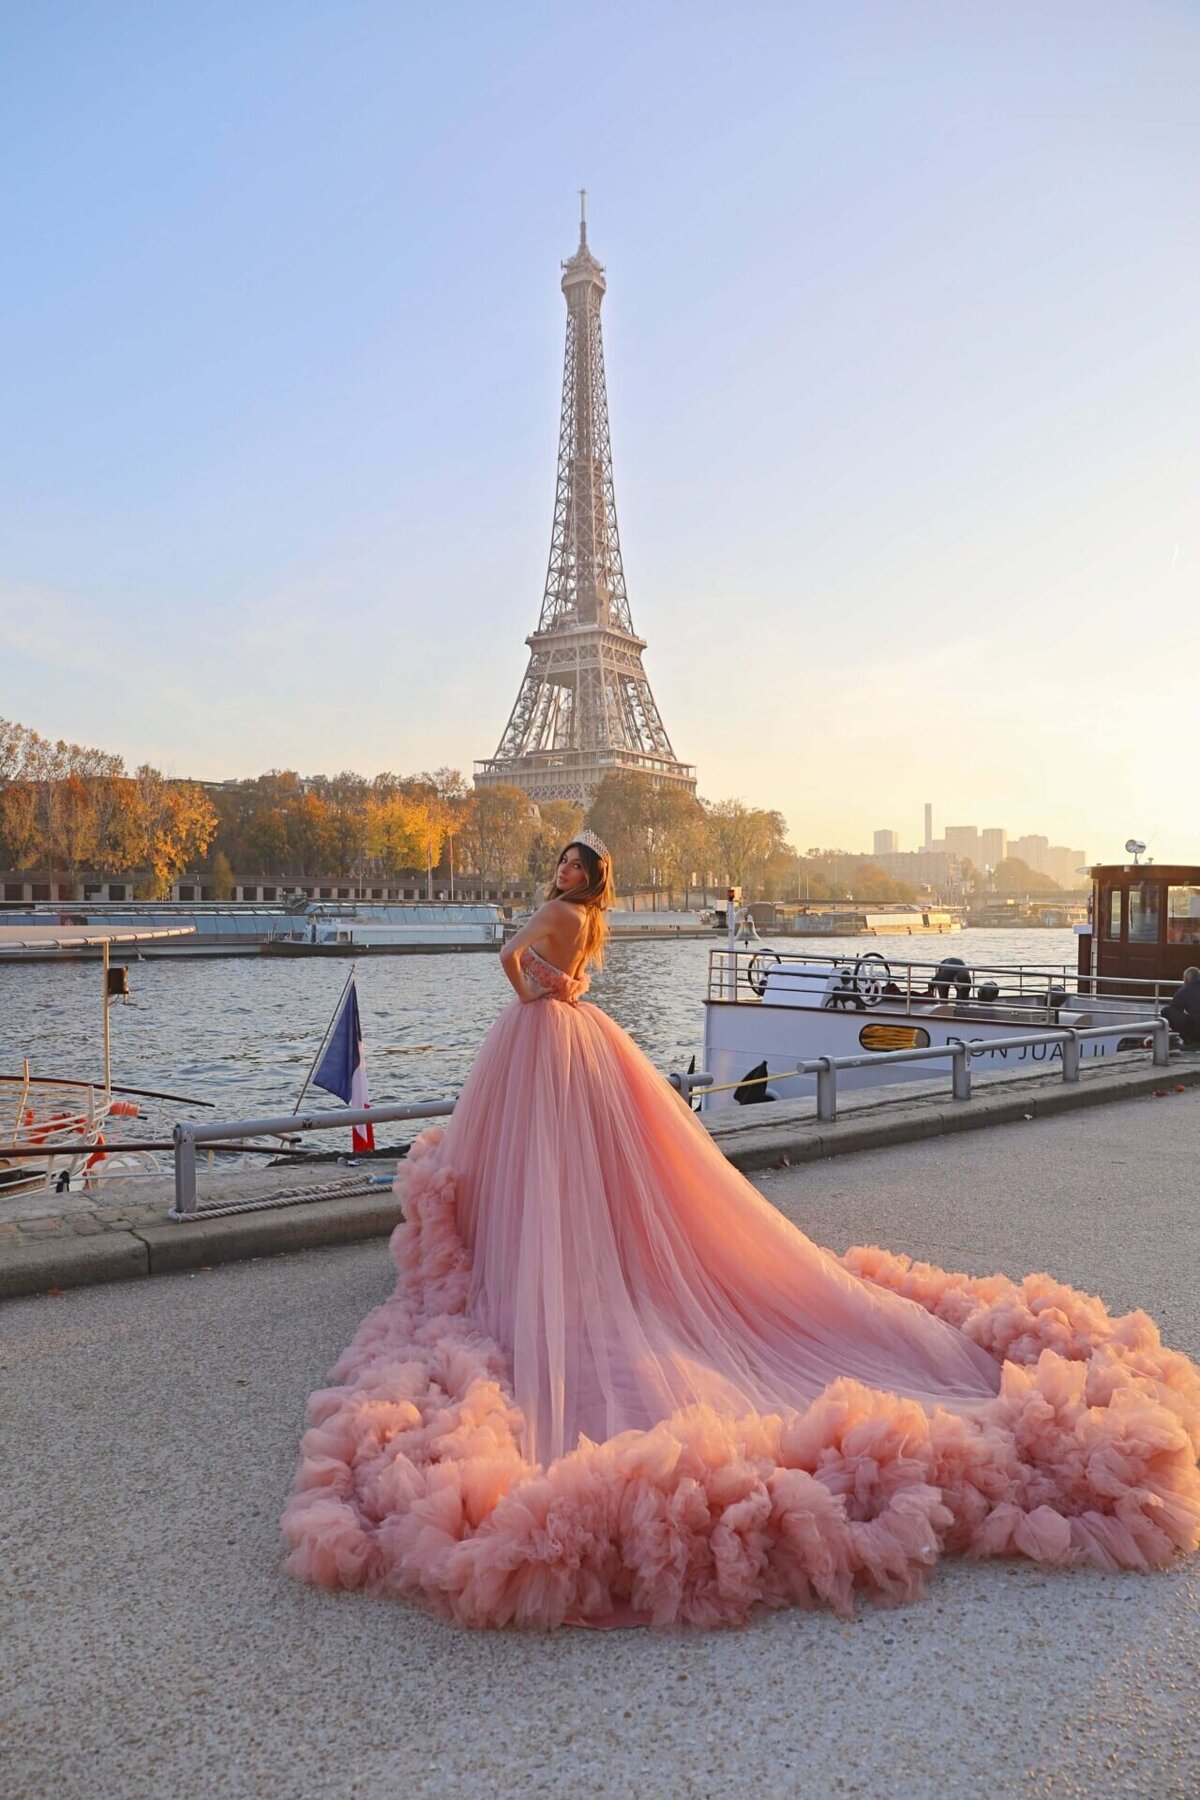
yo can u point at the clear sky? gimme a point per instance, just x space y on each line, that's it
902 340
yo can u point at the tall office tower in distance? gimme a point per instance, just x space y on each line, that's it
963 841
1032 850
585 707
887 843
993 846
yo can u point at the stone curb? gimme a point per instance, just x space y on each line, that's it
166 1248
905 1121
308 1225
33 1268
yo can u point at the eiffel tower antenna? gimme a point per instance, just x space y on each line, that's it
585 707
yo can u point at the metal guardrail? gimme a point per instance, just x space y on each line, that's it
958 1050
188 1133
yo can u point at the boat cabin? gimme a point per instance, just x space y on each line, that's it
1145 925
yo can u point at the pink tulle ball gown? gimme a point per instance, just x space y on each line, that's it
615 1386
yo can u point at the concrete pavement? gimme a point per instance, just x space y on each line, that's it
121 1228
151 1646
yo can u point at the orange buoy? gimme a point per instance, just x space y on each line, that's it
37 1134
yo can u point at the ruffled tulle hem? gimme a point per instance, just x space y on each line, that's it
412 1482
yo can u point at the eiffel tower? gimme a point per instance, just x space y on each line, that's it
585 707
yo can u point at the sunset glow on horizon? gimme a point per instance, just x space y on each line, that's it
902 364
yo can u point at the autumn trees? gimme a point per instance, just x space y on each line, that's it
558 822
662 838
1014 876
838 875
410 820
665 839
64 808
169 825
282 826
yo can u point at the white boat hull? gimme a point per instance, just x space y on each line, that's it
807 1010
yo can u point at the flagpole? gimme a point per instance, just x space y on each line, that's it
341 1001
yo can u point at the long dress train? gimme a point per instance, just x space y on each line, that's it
614 1385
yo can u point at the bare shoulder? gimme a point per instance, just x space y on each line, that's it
566 918
555 912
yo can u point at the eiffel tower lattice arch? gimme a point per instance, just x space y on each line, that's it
585 707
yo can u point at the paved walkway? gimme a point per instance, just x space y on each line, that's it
151 1646
118 1227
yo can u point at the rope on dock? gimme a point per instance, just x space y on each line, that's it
327 1190
727 1087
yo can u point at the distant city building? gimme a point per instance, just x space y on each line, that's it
993 846
1057 862
938 864
920 868
1031 850
1063 866
963 841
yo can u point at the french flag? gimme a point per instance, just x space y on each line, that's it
342 1069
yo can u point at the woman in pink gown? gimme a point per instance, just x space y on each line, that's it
615 1386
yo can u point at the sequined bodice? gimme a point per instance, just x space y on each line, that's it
555 984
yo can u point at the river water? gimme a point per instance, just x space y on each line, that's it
242 1031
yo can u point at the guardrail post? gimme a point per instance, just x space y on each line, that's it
961 1076
1162 1043
185 1169
687 1082
1071 1056
826 1090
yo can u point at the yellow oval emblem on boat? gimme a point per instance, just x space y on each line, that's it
894 1037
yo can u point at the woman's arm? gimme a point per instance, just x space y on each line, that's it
512 969
531 935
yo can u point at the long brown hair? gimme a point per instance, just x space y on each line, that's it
595 897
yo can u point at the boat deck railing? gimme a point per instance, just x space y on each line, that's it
60 1114
1021 993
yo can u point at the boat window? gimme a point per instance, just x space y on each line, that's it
1110 912
1183 915
1145 899
894 1037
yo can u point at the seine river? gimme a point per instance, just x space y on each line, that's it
242 1031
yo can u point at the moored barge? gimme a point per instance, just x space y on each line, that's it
768 1010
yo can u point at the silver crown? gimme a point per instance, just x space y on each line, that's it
593 843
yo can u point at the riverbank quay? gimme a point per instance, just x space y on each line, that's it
153 1646
122 1230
